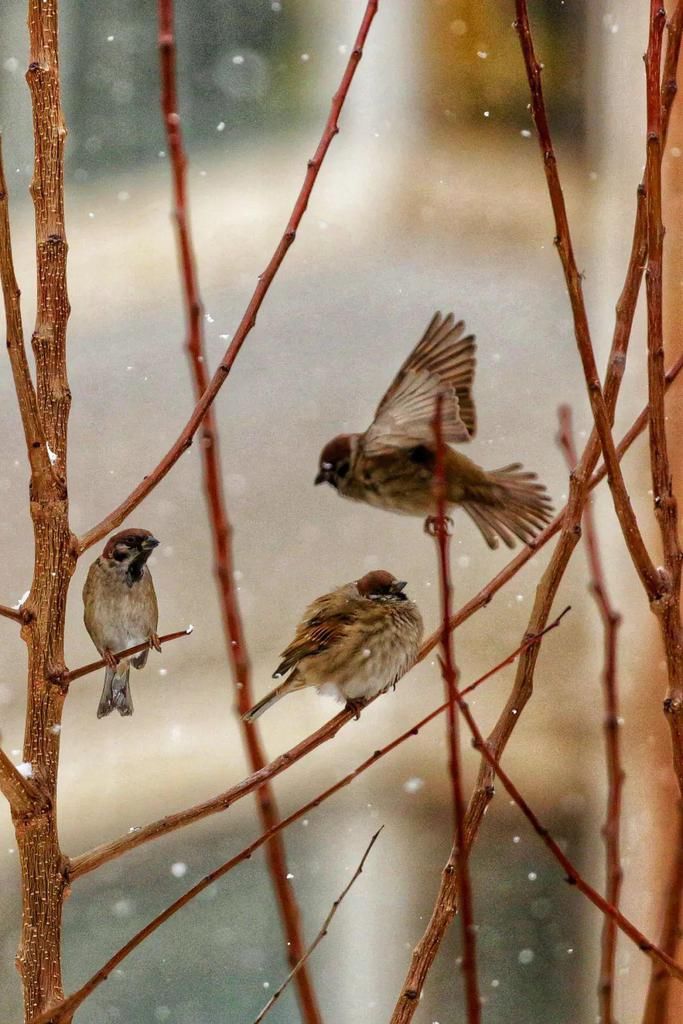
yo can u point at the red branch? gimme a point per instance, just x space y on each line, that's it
601 413
657 1004
89 861
450 679
62 1012
611 620
219 522
567 524
85 670
248 321
668 609
573 876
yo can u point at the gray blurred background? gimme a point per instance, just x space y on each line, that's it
432 197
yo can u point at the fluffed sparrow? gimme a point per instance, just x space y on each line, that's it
354 643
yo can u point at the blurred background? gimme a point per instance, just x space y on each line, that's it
432 197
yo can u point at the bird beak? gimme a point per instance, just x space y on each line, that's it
321 478
149 543
398 587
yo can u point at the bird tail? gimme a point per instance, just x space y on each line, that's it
271 698
513 504
116 692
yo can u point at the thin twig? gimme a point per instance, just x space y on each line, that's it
321 934
622 503
568 522
573 876
611 620
93 859
450 678
34 433
659 989
60 1012
248 321
219 522
85 670
668 609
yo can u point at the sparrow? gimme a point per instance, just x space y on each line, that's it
353 643
120 611
392 465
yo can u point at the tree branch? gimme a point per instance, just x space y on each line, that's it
611 620
248 321
110 851
321 934
573 876
34 434
23 797
63 1010
219 523
657 1004
668 609
622 503
449 673
91 860
85 670
11 613
568 521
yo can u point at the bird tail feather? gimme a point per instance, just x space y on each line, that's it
271 698
514 504
116 692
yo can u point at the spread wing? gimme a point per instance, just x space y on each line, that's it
443 361
322 627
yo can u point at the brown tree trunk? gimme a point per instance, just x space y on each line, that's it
42 863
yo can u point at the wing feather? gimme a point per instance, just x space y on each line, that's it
322 627
442 362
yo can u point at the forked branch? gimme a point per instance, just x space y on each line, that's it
248 321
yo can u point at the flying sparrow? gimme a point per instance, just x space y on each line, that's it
353 643
120 611
392 465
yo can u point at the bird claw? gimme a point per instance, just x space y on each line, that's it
356 706
154 642
109 658
432 525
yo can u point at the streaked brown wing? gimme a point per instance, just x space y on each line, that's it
442 362
314 635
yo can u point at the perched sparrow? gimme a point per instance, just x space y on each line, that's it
392 464
120 611
353 643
